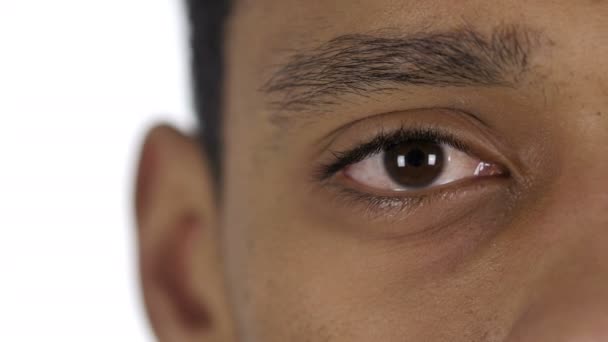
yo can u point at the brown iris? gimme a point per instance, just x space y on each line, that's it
414 164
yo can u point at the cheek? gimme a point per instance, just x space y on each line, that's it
299 277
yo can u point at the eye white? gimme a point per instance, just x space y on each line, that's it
371 172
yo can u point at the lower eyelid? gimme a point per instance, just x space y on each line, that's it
397 206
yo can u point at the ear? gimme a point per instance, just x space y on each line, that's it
178 240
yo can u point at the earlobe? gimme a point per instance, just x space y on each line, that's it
180 267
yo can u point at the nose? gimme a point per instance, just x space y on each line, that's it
569 303
572 311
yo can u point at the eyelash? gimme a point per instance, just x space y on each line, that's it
383 142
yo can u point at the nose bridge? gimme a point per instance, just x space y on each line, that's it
570 302
577 314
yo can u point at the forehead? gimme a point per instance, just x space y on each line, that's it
273 29
293 22
316 16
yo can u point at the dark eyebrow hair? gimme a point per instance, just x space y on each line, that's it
361 63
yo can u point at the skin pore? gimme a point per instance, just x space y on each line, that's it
308 238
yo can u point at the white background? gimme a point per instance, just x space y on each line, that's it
79 83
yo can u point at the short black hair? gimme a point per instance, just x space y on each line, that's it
207 21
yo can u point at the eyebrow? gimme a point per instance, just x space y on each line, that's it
362 64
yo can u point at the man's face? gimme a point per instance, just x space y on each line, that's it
416 170
519 252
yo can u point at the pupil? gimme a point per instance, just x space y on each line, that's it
414 164
416 157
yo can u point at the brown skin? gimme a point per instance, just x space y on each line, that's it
283 257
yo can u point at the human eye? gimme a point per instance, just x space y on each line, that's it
408 164
413 161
